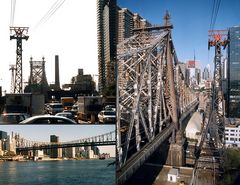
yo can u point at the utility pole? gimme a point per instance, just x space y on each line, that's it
19 34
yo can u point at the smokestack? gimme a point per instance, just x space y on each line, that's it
57 83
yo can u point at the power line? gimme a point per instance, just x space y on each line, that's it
56 5
215 9
13 5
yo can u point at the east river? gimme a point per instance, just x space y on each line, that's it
72 172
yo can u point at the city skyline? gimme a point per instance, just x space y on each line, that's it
42 133
70 32
191 22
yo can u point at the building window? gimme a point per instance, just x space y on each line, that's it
231 139
226 130
231 134
226 134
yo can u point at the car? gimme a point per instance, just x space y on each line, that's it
48 119
13 118
110 107
55 108
66 114
107 116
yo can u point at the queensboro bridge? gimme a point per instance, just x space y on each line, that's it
37 82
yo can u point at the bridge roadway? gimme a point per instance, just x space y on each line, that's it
127 170
65 145
133 163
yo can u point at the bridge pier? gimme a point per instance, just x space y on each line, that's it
176 155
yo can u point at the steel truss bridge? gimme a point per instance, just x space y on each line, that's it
152 96
100 140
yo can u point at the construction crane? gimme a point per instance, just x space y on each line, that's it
19 34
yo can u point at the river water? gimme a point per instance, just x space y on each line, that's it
72 172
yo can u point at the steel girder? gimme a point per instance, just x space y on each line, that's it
186 96
146 89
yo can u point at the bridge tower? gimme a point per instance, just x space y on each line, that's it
176 152
19 34
12 69
37 80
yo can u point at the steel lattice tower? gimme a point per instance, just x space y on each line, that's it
12 69
217 92
19 35
37 72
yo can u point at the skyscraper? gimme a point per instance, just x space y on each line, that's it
206 73
3 135
125 24
233 74
11 143
194 72
55 152
107 40
127 21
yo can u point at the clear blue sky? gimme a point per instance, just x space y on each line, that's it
65 132
191 20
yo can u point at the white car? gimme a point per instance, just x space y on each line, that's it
66 115
47 119
110 107
107 116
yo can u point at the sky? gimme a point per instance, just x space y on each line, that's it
191 21
71 33
65 133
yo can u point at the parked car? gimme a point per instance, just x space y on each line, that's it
13 118
66 114
55 108
107 116
48 119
